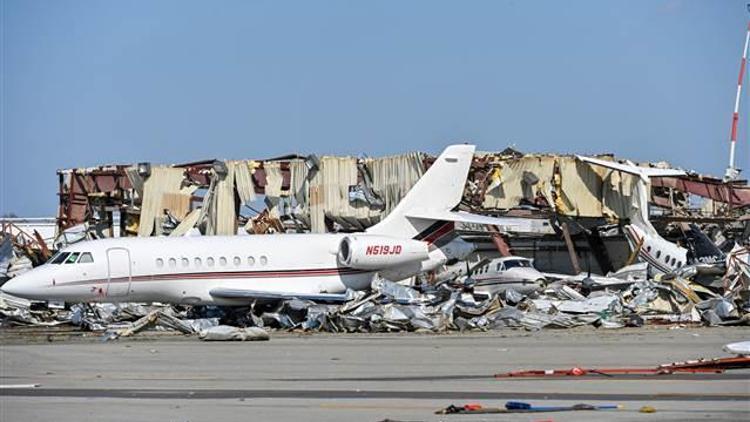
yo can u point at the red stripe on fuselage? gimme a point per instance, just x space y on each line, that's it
222 274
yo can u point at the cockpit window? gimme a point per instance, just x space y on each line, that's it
85 258
72 258
511 264
59 258
516 263
53 257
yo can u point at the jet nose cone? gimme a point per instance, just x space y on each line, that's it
10 287
19 286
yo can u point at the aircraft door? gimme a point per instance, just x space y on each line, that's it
119 272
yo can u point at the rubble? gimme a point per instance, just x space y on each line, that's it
616 301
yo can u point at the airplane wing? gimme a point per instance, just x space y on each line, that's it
644 172
463 217
229 293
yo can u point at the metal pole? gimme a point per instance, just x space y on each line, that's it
731 172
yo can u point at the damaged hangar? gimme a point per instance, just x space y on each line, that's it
573 215
573 212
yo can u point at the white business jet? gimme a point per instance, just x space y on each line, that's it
416 236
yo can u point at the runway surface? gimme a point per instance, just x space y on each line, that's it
366 377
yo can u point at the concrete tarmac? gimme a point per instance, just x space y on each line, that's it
367 377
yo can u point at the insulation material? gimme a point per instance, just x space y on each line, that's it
316 205
178 204
521 179
619 194
595 191
299 189
243 179
222 214
333 179
392 177
298 182
622 195
581 189
136 180
273 188
274 179
187 223
163 180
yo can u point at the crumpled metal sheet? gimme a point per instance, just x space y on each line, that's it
588 305
722 307
401 294
229 333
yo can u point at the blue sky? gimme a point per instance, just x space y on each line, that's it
93 82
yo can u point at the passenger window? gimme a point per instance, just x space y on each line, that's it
263 260
85 258
673 261
223 261
666 259
499 267
159 262
198 262
185 262
250 261
172 262
658 254
648 248
679 264
210 261
60 258
237 261
72 258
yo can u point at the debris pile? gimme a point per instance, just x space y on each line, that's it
19 251
715 294
606 302
695 294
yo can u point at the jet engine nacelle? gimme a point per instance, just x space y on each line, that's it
373 252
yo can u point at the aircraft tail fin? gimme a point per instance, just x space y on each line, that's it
433 199
439 190
701 247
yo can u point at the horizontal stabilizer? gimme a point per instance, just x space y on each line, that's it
644 172
227 293
463 217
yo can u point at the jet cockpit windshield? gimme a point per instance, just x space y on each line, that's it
71 258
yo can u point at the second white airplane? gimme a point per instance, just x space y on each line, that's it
416 236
